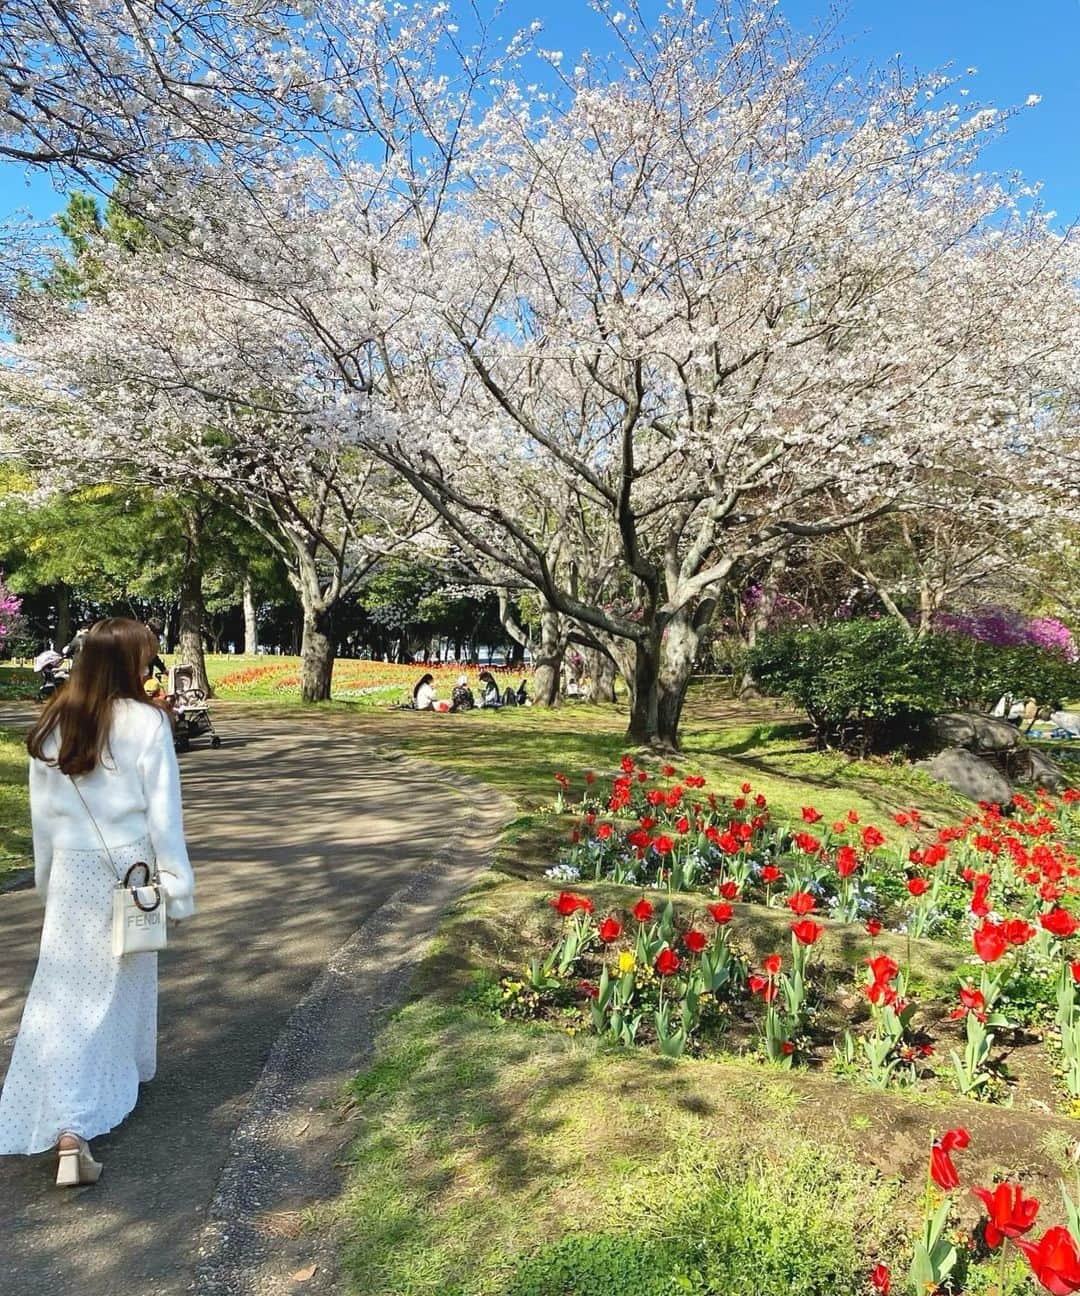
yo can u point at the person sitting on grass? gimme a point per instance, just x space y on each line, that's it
490 697
423 695
461 698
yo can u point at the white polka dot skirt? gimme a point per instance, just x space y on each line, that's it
88 1035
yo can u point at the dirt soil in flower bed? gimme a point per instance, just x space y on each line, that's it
504 923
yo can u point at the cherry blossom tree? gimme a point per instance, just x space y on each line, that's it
129 387
624 330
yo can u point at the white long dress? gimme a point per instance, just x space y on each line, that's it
88 1035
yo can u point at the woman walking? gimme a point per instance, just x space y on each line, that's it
104 795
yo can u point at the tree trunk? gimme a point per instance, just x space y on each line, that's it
316 656
678 651
192 610
759 622
642 729
548 662
251 624
63 615
601 677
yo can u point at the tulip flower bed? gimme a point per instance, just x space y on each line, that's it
505 1158
996 890
945 1257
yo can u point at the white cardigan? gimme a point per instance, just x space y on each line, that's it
133 792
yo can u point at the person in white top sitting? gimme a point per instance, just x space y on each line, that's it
424 693
104 795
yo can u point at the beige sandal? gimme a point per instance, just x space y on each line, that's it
75 1165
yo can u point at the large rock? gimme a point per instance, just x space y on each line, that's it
976 732
968 774
1033 768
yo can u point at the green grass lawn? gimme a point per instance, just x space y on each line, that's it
15 845
519 751
514 1159
507 1159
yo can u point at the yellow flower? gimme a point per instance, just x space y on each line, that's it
627 962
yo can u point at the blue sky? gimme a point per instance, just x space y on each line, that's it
1020 47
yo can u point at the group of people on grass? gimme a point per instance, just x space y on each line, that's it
425 696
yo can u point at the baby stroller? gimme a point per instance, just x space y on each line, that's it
50 666
189 708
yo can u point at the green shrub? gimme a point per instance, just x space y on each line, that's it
862 683
803 1227
870 686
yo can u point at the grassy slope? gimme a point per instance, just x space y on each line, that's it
480 1141
519 752
15 845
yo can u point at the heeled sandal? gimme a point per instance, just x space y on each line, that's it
76 1165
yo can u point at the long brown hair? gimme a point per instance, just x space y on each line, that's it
112 664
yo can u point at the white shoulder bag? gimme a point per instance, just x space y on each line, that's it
138 911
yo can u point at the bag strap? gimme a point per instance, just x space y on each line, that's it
119 876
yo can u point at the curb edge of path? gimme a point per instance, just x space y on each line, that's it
272 1159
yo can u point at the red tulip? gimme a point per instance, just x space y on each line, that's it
810 815
587 988
667 962
770 874
729 890
695 941
720 913
980 903
918 886
872 837
971 1000
873 928
801 902
1010 1214
568 903
1059 923
880 1279
1017 931
764 986
882 968
807 931
1054 1261
664 845
942 1170
604 831
643 910
990 943
847 861
609 930
773 964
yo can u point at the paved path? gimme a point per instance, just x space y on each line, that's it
298 833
